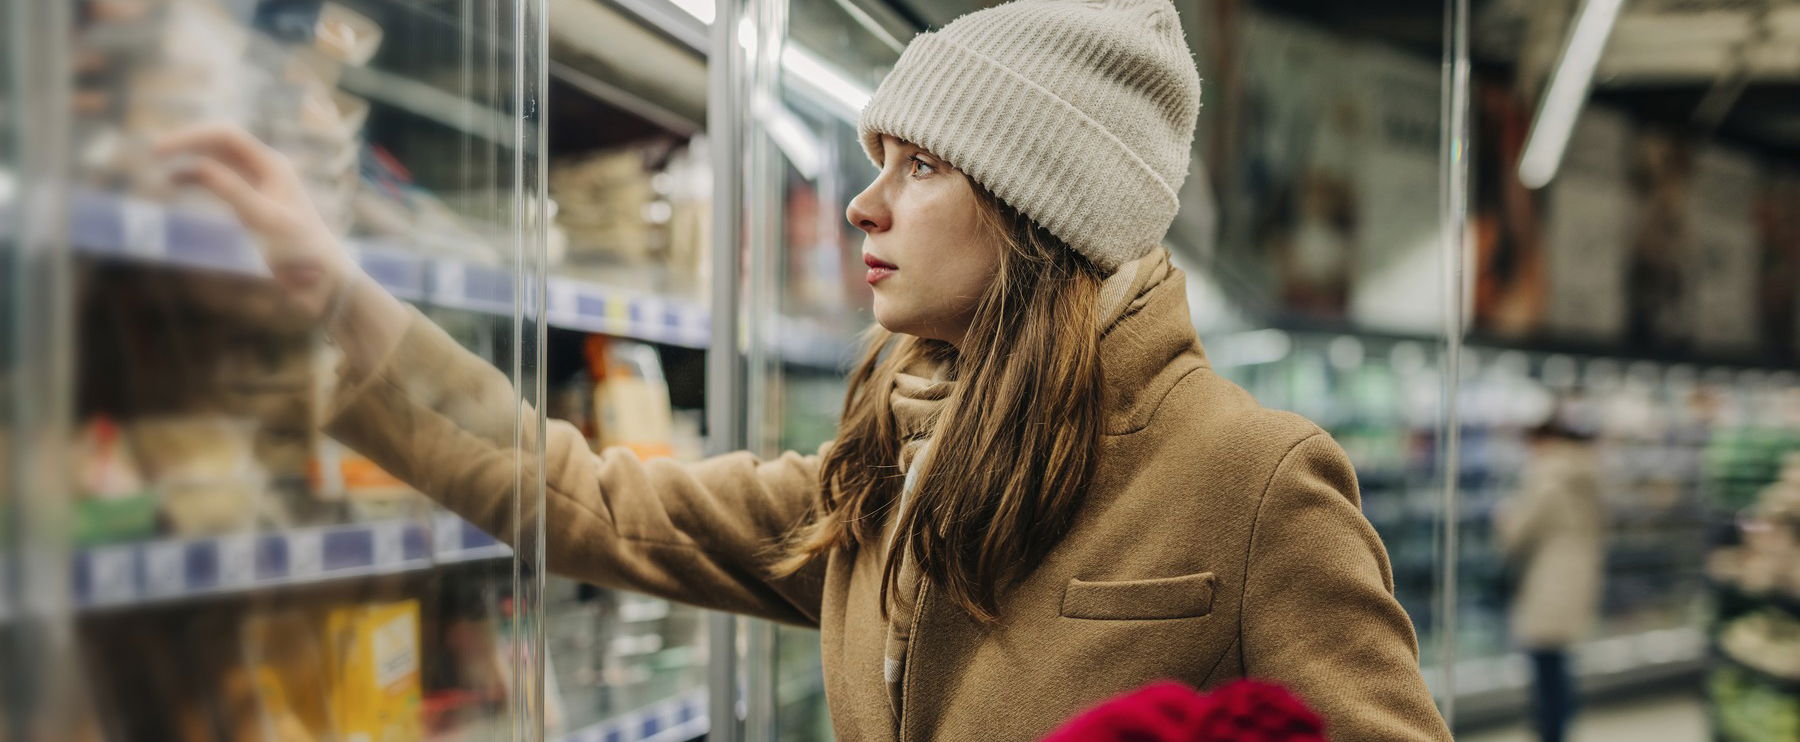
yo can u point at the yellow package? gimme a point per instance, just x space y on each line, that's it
376 693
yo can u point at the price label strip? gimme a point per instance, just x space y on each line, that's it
305 554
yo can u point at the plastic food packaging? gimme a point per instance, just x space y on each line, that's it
114 504
206 468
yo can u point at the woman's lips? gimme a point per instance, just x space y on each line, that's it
878 268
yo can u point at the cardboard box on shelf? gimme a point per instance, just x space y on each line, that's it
375 656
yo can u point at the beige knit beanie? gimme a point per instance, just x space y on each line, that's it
1078 113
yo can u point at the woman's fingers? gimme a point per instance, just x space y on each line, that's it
251 207
228 143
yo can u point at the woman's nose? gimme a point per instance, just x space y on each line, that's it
867 213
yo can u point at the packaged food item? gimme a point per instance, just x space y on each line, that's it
167 65
370 492
319 129
374 655
273 379
113 503
330 35
603 202
688 178
205 467
631 397
346 35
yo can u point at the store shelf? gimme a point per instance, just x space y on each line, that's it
132 229
1599 659
177 569
678 719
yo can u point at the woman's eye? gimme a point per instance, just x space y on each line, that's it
918 163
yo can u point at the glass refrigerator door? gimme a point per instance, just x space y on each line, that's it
812 66
227 474
1322 232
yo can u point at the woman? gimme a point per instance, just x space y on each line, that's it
1553 534
1042 495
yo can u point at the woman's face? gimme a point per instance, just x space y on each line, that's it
929 258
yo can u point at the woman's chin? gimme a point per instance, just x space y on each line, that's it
892 319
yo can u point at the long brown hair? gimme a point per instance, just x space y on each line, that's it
1013 448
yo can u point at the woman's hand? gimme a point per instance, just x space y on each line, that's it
309 264
316 277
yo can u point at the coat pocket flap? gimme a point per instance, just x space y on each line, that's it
1186 596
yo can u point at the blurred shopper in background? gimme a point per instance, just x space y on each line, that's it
1553 533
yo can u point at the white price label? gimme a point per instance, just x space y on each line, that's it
390 544
649 317
446 534
142 230
110 574
306 554
237 560
450 284
562 300
165 569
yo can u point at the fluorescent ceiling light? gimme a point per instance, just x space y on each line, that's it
823 78
1567 91
795 139
799 62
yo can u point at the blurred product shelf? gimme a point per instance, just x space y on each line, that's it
104 225
127 574
677 719
1496 687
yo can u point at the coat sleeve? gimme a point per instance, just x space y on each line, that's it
1319 614
451 425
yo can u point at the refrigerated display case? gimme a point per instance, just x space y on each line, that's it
203 561
635 210
815 63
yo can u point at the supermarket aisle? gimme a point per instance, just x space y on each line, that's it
1665 717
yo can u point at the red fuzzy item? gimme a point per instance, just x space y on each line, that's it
1240 711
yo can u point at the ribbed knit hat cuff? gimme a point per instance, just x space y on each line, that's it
1023 143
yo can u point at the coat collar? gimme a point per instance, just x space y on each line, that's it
1144 315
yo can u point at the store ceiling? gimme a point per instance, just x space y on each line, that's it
1663 60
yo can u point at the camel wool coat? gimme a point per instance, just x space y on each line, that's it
1219 540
